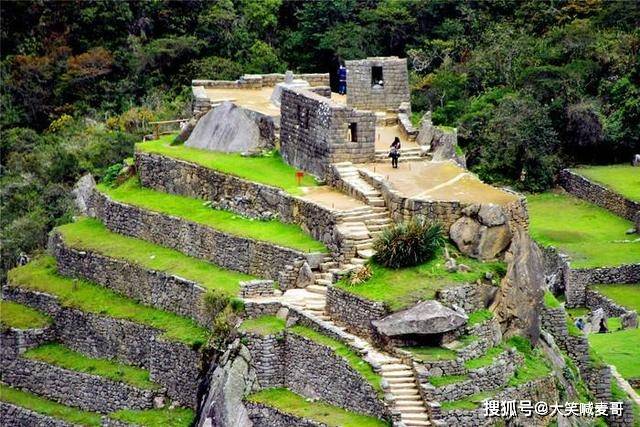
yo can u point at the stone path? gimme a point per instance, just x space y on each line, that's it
625 385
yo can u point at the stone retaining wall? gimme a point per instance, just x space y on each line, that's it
154 288
16 416
85 391
314 132
267 416
595 300
312 370
597 194
254 81
354 312
598 381
470 297
624 420
14 342
171 364
244 197
237 253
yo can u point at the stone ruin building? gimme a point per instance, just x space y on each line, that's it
380 83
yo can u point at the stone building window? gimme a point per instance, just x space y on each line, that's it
377 78
353 132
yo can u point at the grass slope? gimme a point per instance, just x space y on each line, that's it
287 235
48 407
294 404
589 234
627 295
403 287
40 275
269 170
90 234
623 179
63 357
485 360
14 315
263 325
619 349
468 403
165 417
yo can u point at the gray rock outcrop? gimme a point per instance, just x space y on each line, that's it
229 128
482 232
425 318
82 192
519 301
231 380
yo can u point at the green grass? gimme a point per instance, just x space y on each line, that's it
341 349
430 354
40 275
572 328
287 235
623 179
485 360
627 295
614 324
479 316
550 300
165 417
14 315
534 366
468 403
63 357
590 235
577 312
48 407
294 404
447 379
620 349
403 287
270 170
263 325
90 234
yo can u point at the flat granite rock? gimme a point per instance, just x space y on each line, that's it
425 318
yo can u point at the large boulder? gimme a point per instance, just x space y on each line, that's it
232 379
425 318
519 300
230 128
482 232
82 193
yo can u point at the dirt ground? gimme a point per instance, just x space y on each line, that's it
330 198
253 99
439 181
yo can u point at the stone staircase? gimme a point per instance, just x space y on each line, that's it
411 154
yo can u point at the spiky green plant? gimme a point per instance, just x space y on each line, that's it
408 243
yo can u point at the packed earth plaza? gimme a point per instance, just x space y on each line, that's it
268 266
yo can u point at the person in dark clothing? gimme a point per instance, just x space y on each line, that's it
603 327
394 153
580 323
342 79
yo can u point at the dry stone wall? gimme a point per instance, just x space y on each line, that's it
88 392
14 342
362 93
577 280
595 300
237 253
267 416
154 288
600 195
16 416
470 297
314 132
244 197
354 312
175 366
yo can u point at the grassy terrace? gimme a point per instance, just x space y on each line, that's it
403 287
63 357
178 417
90 234
14 315
269 170
269 325
534 366
40 275
623 179
294 404
627 295
287 235
485 360
468 403
48 407
430 353
620 349
592 236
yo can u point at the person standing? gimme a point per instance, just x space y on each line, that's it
342 79
394 153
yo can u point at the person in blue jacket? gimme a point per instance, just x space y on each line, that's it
342 78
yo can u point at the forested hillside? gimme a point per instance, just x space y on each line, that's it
531 86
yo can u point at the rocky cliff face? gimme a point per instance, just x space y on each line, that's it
519 301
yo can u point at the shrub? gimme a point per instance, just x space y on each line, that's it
110 175
408 243
360 275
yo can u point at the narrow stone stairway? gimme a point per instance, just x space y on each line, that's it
411 154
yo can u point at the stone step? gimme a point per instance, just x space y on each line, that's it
318 289
415 417
378 227
410 409
365 245
416 423
376 201
323 282
408 400
357 261
366 253
393 367
398 374
401 382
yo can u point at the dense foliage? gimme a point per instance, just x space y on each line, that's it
407 244
530 85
